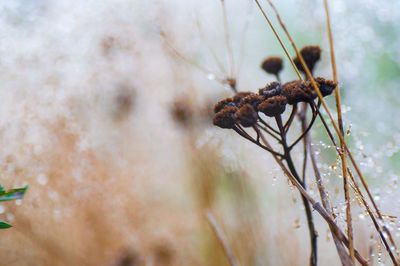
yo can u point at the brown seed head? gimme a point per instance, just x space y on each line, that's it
252 99
311 55
222 104
298 91
325 86
273 106
246 115
238 96
272 65
225 118
272 89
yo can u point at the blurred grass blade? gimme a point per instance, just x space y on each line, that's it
16 193
4 225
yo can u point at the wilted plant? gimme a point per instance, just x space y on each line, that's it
250 110
255 116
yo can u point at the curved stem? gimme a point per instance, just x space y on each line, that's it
269 132
306 129
292 169
268 126
291 117
243 133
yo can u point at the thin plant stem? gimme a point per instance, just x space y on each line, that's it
243 133
289 161
290 119
266 130
340 135
221 238
344 257
316 205
303 119
364 202
213 53
340 122
243 39
268 126
228 39
279 39
305 130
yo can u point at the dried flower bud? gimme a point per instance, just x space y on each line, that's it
253 99
222 104
272 89
325 86
272 65
226 117
298 91
240 95
311 55
273 106
246 115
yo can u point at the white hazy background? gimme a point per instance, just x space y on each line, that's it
86 89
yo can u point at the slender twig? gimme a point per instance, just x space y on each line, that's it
279 39
316 205
221 238
268 126
305 130
291 117
266 130
303 119
335 126
330 135
228 39
289 161
213 53
188 60
243 133
340 122
243 40
371 215
344 257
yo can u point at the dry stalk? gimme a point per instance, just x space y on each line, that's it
338 132
340 122
221 237
317 206
342 253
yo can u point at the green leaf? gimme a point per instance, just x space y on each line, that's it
4 225
16 193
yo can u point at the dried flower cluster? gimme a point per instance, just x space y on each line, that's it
271 100
242 111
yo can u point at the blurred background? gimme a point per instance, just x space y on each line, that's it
106 114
